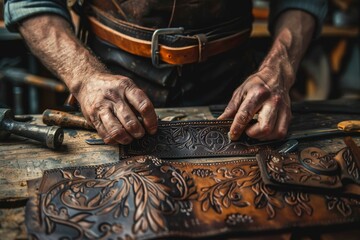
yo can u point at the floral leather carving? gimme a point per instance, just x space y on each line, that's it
184 139
145 197
312 169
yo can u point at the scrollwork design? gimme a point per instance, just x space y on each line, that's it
351 166
116 188
343 205
188 139
265 197
226 189
299 201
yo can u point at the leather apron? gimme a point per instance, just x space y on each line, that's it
209 82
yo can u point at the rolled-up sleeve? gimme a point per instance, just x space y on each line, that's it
17 10
317 8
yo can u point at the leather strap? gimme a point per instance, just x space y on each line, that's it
312 169
189 139
171 55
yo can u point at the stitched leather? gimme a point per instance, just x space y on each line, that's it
145 197
189 139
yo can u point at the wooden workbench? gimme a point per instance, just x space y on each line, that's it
22 160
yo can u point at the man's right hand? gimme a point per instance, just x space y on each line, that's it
113 104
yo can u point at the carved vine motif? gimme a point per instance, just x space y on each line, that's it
117 187
351 166
226 189
265 197
299 202
285 169
341 204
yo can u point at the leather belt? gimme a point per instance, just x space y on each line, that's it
171 55
189 139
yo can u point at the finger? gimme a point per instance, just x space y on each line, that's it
129 120
232 107
248 108
114 129
98 125
265 124
282 125
142 104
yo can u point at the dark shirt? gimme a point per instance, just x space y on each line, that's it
17 10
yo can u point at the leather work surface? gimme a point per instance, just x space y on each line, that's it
184 139
145 197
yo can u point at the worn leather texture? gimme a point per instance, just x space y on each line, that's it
189 139
312 169
145 197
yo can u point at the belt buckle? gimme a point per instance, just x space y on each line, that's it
155 49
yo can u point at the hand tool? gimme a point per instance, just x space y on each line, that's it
288 146
64 119
52 137
345 127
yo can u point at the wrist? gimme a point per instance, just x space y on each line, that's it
279 67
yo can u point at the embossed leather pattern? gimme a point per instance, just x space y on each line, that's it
312 168
189 139
145 197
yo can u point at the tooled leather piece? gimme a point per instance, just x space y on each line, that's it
312 168
189 139
145 197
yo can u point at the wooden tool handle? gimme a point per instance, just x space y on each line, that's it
349 126
64 119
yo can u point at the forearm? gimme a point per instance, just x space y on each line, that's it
52 40
293 33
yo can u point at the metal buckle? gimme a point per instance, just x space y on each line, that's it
155 49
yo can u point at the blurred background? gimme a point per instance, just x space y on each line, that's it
330 69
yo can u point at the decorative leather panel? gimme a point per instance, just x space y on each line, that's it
145 197
312 168
189 139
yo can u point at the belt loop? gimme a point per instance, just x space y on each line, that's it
202 40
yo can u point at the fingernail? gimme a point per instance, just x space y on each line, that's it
233 136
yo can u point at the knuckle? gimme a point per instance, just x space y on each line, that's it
131 124
266 129
117 135
126 83
262 92
111 93
277 99
145 106
243 118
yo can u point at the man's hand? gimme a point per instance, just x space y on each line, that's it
114 104
263 93
111 103
266 92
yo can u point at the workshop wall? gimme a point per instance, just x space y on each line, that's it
329 70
